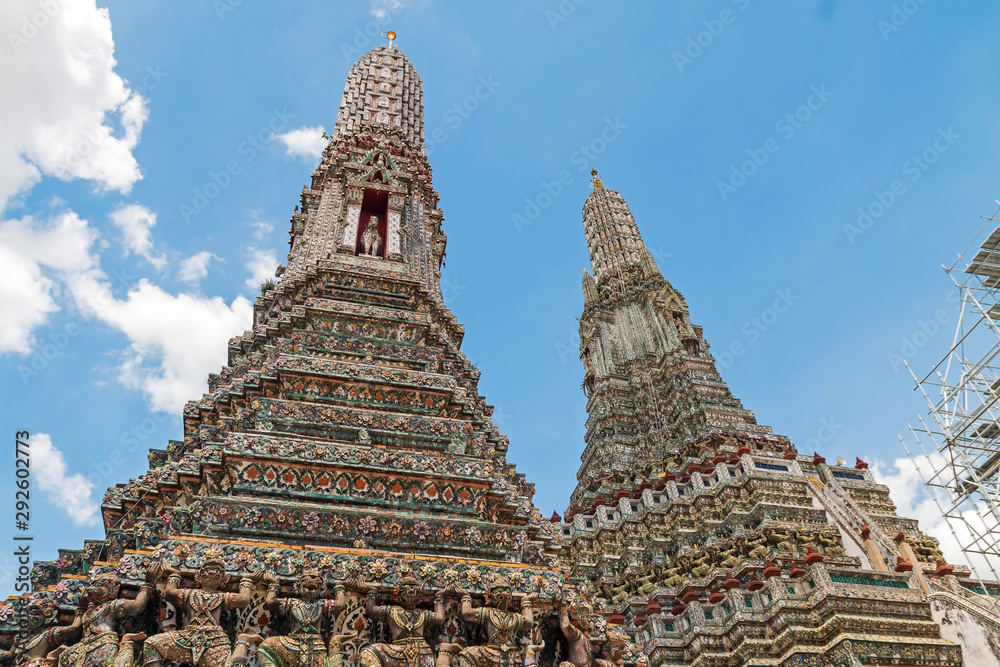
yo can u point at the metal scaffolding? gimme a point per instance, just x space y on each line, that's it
959 447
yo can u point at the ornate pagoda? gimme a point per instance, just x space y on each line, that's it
707 536
346 433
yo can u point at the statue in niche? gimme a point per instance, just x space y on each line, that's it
371 240
42 646
102 609
407 625
304 647
502 626
829 538
202 642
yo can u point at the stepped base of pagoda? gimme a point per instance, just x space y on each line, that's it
827 614
379 568
846 649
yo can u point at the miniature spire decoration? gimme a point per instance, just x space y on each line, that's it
589 287
648 263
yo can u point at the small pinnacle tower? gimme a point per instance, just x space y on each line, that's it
703 534
653 387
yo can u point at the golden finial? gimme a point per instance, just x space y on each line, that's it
596 180
392 36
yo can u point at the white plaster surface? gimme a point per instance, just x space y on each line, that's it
980 641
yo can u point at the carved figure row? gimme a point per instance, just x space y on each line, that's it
202 642
700 561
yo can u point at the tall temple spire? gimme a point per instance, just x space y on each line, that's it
682 495
354 365
653 387
346 431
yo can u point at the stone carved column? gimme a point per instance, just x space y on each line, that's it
874 554
392 236
907 552
350 240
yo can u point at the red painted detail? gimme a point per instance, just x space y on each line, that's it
943 569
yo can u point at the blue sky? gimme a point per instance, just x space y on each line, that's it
119 299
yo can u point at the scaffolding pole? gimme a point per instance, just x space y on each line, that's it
960 445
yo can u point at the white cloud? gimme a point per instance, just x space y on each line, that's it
261 265
136 221
63 245
913 500
261 229
305 142
174 340
25 300
195 267
33 255
382 8
66 112
70 493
